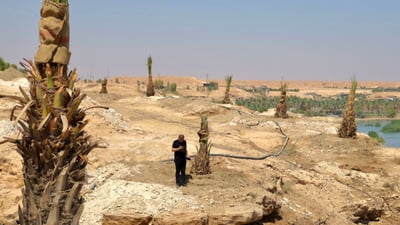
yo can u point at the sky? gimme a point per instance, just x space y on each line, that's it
331 40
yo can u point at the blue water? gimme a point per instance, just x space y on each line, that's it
391 140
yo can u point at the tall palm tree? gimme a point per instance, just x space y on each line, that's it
281 108
348 127
201 163
53 144
228 80
150 84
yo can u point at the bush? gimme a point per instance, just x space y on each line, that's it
392 127
159 84
3 64
212 86
375 136
172 87
392 113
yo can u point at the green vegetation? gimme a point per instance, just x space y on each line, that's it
228 80
392 127
376 124
3 64
364 107
212 86
382 89
376 136
159 84
172 87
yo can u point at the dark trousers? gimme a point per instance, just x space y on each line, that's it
180 167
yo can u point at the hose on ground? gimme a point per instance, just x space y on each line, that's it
275 154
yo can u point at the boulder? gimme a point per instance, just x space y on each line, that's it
182 218
237 216
109 219
365 210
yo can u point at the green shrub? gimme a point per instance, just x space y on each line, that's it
159 84
392 113
3 64
392 127
376 136
212 86
172 87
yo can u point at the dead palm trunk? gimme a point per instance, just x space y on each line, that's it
348 127
150 84
228 80
104 86
53 144
281 108
202 160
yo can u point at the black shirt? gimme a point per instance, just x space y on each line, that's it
181 153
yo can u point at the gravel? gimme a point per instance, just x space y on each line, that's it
7 129
120 196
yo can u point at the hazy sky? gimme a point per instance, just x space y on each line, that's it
263 40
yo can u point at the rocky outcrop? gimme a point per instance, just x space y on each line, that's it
234 215
364 211
126 219
182 218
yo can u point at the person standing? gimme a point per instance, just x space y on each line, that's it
180 154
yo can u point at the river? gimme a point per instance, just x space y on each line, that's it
391 139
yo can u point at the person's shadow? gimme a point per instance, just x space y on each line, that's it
187 178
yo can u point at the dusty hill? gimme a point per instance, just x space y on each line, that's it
318 179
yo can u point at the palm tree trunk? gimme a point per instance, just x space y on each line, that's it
281 108
202 160
53 145
348 127
150 84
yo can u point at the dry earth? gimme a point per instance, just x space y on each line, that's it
318 179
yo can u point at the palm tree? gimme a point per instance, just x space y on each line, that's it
228 80
201 163
53 144
150 85
281 108
348 127
103 89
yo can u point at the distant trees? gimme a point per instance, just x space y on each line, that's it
325 106
3 64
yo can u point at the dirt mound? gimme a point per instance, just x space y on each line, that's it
11 74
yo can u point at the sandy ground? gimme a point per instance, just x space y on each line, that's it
318 179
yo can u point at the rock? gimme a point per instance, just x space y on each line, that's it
126 219
331 130
182 218
396 206
269 204
366 210
236 216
